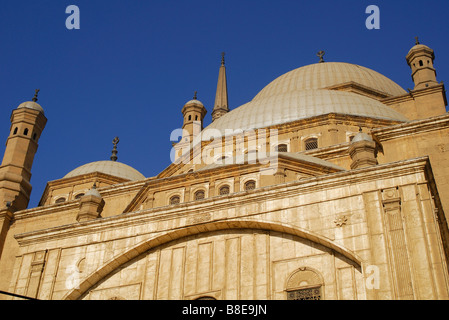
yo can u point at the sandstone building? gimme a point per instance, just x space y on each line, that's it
332 183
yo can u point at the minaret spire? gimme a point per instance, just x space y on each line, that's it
221 98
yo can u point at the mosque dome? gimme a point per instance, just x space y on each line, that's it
31 105
304 93
113 168
329 74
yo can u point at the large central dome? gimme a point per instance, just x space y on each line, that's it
329 74
305 93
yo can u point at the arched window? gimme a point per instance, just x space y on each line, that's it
199 195
304 284
25 132
15 130
224 190
282 148
79 195
60 200
250 185
421 63
311 143
175 200
190 117
34 136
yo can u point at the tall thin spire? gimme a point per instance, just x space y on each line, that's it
221 98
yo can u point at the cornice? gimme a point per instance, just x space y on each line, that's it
262 195
410 128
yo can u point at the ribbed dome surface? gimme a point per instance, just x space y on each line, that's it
328 74
296 105
302 93
112 168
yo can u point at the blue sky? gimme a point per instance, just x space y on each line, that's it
133 64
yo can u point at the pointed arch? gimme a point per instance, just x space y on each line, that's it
165 237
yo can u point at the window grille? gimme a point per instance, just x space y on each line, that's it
224 190
250 185
305 294
199 195
311 143
175 200
282 148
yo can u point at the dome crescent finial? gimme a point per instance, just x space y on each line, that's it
321 54
114 150
36 92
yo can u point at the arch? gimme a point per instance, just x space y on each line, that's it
79 195
60 200
250 185
305 284
206 298
169 236
304 277
224 189
176 199
199 195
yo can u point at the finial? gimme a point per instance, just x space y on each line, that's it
222 59
321 55
194 95
416 41
114 151
35 95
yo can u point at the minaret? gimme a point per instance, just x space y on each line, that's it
27 123
193 112
221 98
420 59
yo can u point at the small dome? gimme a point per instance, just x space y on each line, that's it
419 46
93 192
31 105
301 104
113 168
361 136
194 101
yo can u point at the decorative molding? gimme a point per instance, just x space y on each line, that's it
340 221
260 195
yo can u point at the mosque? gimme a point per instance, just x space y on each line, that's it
330 184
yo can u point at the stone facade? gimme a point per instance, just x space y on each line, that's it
362 215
